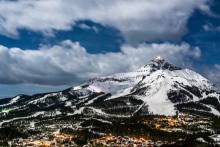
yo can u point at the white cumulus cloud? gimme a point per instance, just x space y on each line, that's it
138 20
69 63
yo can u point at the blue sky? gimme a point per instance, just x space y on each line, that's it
51 45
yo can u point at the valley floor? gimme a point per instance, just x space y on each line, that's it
79 130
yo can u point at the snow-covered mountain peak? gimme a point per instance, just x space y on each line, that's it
159 63
158 59
157 83
157 67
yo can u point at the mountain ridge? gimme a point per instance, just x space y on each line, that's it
157 83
